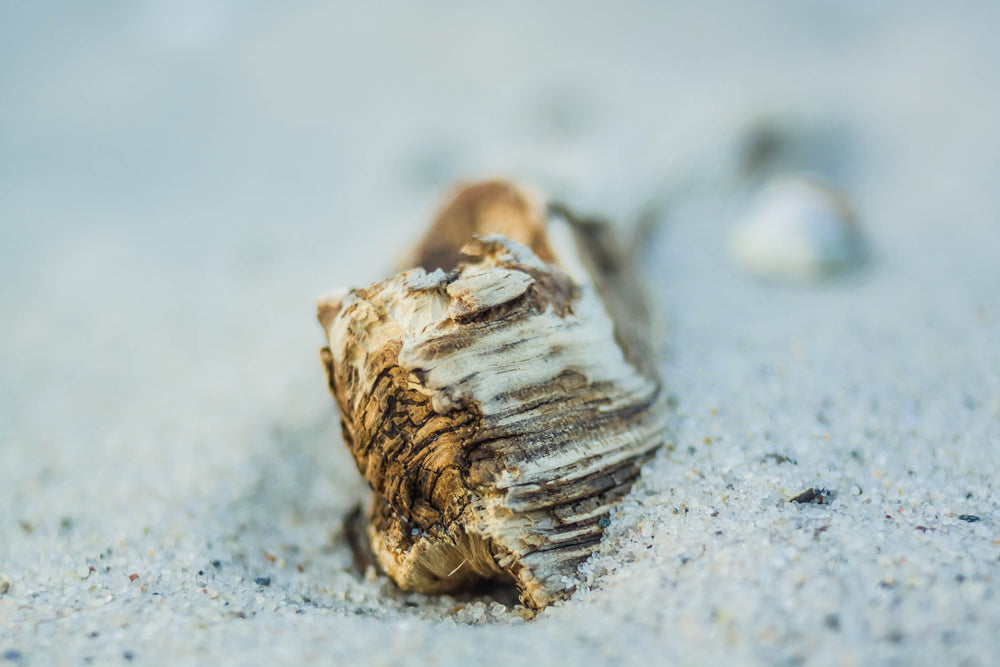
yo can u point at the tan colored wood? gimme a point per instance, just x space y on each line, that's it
499 406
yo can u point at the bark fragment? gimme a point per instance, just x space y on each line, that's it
498 407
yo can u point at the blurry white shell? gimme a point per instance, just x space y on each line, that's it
797 231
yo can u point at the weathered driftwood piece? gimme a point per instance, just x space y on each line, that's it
500 401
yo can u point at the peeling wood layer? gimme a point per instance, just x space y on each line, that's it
496 406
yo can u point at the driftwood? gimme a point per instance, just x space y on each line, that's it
499 398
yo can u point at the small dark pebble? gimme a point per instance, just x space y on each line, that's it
13 655
216 563
95 634
821 529
832 621
201 573
604 522
811 495
970 518
128 655
263 581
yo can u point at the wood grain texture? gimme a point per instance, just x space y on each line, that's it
496 406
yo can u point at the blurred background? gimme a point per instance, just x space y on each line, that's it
179 180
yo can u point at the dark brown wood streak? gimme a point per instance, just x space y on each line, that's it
498 407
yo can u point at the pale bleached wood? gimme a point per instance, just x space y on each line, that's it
499 402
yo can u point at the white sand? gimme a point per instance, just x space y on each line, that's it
176 186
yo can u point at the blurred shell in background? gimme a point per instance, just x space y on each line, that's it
797 230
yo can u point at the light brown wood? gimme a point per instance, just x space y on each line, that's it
499 406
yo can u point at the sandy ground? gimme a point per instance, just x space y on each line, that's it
178 182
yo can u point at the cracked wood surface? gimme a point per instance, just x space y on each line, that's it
498 406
